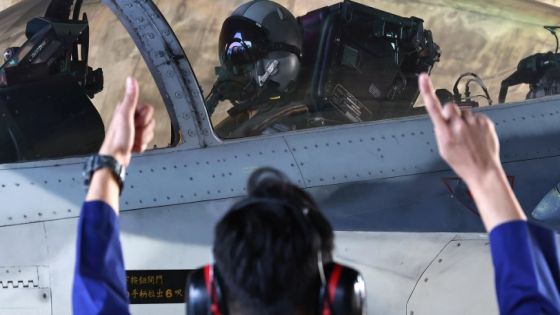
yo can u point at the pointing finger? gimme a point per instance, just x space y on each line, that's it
431 101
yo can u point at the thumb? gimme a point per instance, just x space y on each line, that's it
130 100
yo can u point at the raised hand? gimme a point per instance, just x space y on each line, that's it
467 141
132 127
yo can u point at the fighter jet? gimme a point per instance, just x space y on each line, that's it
402 217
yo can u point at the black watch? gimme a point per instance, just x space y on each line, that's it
97 162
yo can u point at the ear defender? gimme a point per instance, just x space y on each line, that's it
344 292
342 289
204 293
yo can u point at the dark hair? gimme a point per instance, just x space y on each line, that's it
266 247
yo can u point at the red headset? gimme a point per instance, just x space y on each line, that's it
343 293
342 289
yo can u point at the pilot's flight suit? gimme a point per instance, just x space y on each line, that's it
525 259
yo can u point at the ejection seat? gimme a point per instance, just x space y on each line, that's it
47 119
45 91
364 62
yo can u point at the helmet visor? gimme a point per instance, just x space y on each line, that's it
242 42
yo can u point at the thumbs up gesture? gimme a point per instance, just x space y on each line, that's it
132 127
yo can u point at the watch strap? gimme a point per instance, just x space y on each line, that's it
97 162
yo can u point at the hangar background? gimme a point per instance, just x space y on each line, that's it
488 37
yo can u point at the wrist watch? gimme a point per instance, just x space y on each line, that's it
97 162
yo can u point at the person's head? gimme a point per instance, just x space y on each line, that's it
273 255
269 246
260 48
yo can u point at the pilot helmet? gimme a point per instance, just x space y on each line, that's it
260 45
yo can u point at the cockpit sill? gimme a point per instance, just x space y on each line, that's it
216 141
182 95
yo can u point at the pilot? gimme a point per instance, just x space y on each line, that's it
332 66
260 51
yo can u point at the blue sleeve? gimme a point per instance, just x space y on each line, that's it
99 275
526 269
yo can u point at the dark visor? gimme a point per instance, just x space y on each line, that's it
242 42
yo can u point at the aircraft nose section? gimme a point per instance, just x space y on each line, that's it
548 208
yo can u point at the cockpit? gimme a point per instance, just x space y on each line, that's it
283 67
